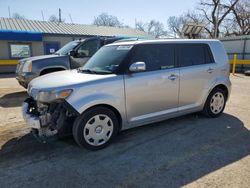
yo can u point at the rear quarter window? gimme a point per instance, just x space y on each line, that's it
208 54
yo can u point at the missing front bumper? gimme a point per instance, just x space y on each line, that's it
31 120
48 120
36 123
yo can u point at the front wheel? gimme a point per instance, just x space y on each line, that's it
215 103
95 128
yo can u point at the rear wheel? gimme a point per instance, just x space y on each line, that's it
215 103
95 128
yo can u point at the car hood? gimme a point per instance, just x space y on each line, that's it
64 79
42 57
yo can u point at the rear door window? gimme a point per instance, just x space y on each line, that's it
191 54
155 56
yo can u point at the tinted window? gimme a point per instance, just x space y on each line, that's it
88 48
208 54
67 48
155 56
191 54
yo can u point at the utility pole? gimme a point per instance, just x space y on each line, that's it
217 21
60 17
9 11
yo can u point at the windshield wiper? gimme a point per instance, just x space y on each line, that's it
92 71
87 71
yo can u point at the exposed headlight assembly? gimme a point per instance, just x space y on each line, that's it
27 66
50 96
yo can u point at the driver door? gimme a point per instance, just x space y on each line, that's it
152 94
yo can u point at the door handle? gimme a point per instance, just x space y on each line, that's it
172 77
210 70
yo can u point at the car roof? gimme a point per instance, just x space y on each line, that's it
164 41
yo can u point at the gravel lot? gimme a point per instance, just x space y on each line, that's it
190 151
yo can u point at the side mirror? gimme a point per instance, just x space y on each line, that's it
73 53
137 67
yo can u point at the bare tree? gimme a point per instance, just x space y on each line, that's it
241 20
176 23
140 26
153 27
18 16
54 18
215 12
105 19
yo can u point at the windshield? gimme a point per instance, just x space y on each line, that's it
107 59
67 48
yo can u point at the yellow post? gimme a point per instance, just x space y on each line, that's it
234 63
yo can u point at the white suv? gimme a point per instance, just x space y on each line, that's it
129 84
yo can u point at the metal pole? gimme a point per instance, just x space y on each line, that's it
234 63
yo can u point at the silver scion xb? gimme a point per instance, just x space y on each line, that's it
129 84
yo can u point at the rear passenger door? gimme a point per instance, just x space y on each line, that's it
153 93
197 71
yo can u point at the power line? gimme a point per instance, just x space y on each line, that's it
71 19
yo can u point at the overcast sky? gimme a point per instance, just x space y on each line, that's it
83 11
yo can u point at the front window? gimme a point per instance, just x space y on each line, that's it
20 50
107 59
67 48
155 56
88 48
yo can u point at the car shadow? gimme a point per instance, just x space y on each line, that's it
171 153
13 99
8 75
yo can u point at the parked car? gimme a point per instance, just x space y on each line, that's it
73 55
129 84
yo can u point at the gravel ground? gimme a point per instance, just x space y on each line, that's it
190 151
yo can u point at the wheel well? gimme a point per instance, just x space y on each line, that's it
50 70
117 113
224 88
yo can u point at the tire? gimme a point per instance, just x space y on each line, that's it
215 103
95 128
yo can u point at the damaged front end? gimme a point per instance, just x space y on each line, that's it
49 119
